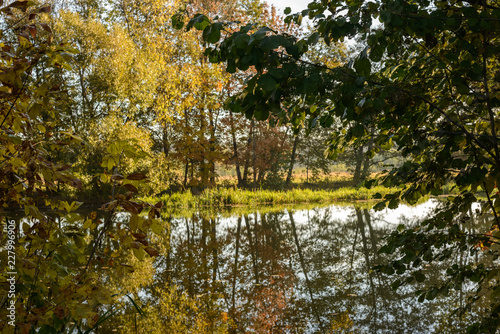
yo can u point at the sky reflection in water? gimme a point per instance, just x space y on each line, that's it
303 271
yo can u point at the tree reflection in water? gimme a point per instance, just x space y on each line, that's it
307 271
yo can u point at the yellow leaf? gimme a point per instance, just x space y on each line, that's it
41 128
111 163
103 296
146 223
139 253
135 222
157 227
127 241
87 224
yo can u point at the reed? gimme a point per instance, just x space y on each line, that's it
235 197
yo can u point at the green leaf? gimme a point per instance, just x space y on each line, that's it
261 33
267 82
273 42
199 21
46 329
396 284
385 16
488 185
214 34
419 277
326 121
214 57
360 81
261 115
432 294
277 73
393 203
178 21
287 10
376 53
362 66
358 130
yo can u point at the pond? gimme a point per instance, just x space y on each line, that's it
293 269
296 271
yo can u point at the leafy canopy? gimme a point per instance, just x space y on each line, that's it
59 254
426 82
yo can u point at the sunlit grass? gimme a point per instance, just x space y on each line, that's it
233 197
239 210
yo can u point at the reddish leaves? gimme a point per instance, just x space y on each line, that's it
136 176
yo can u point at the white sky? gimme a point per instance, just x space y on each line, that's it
295 5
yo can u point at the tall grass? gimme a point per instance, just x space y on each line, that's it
239 210
231 197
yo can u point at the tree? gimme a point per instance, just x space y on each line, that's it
426 81
108 90
54 255
312 153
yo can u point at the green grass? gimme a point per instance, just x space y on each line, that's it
231 211
230 197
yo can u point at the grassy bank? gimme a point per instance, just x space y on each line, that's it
231 197
231 211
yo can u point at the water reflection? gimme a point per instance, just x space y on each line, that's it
288 271
298 271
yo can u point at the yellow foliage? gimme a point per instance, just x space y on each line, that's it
341 323
173 312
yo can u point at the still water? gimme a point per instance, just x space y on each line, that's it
300 271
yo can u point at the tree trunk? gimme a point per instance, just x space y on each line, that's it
213 245
254 158
211 157
261 176
366 162
307 172
186 172
205 225
165 141
359 155
292 160
305 272
252 250
235 151
366 252
247 156
204 168
235 267
189 247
